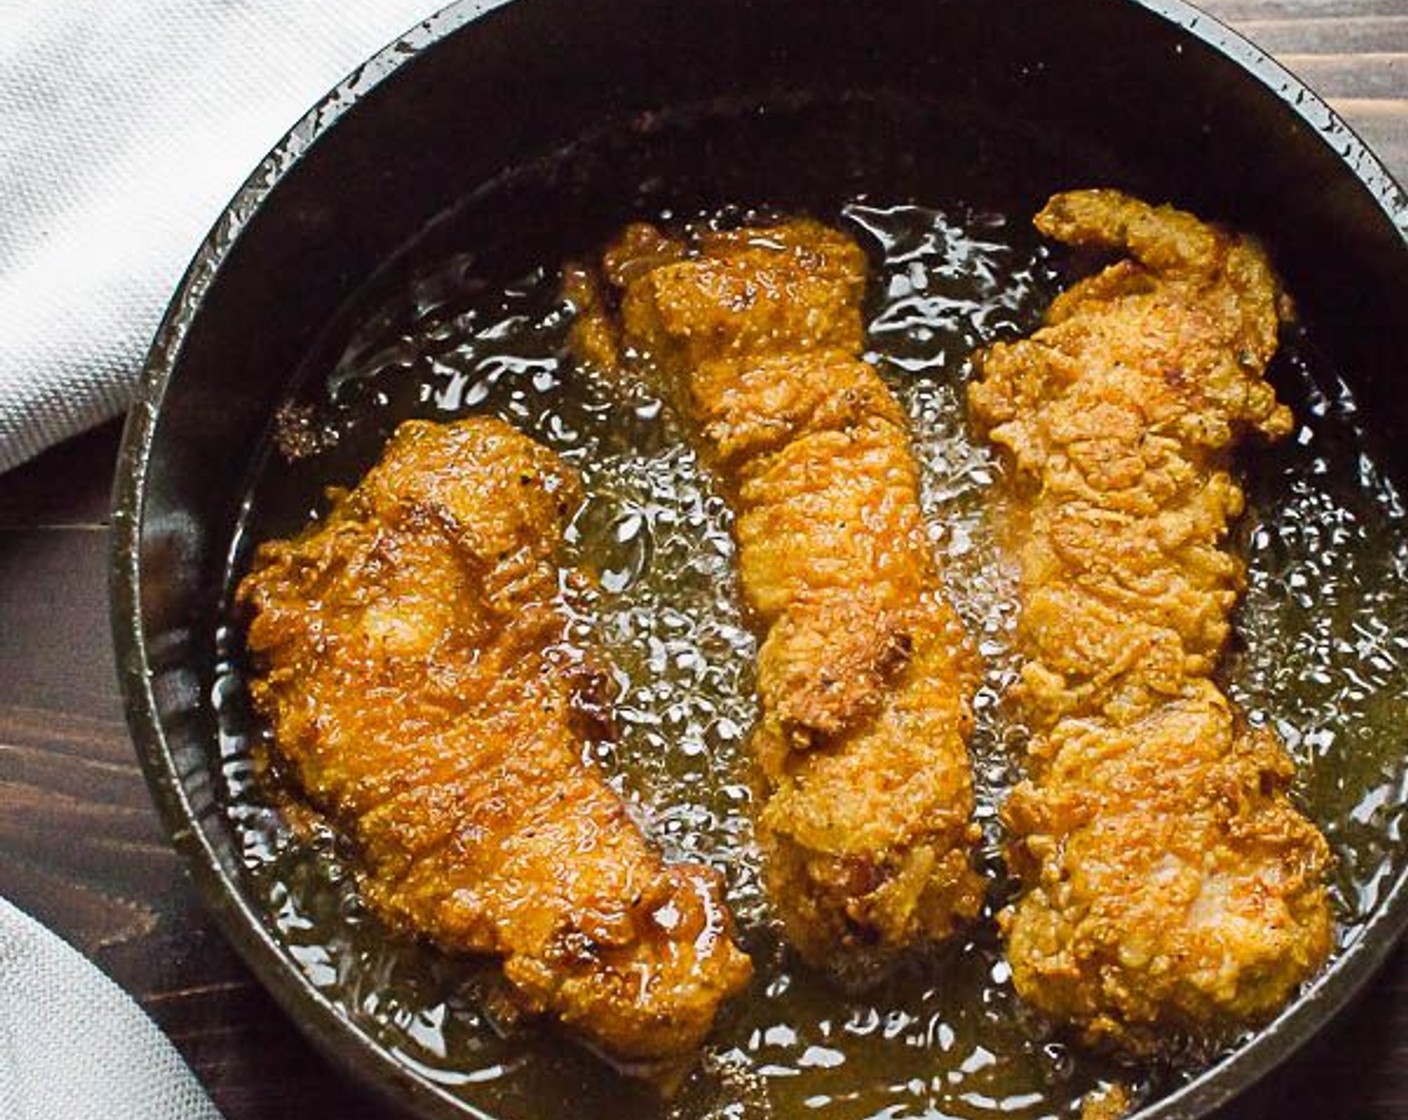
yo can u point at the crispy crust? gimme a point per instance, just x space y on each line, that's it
415 664
864 672
1172 890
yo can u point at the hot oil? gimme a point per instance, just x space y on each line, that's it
1323 628
1322 656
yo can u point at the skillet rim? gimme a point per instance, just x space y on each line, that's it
349 1046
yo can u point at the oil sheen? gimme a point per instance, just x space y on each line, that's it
1321 654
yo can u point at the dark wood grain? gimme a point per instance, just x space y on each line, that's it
80 845
81 849
1337 36
1354 53
1241 14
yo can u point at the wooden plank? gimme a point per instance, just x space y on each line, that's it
1379 75
55 643
66 486
1383 125
1328 36
1233 11
77 828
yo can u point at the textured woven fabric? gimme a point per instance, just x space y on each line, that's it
73 1045
125 127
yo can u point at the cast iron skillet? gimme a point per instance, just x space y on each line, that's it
1174 98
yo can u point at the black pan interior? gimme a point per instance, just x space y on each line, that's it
567 113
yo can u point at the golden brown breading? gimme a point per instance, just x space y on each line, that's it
1171 888
417 670
864 670
1108 1102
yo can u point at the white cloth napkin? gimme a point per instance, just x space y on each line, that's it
73 1045
125 127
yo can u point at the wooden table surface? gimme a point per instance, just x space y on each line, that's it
81 848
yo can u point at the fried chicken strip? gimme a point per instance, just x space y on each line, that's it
864 669
1172 890
417 670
